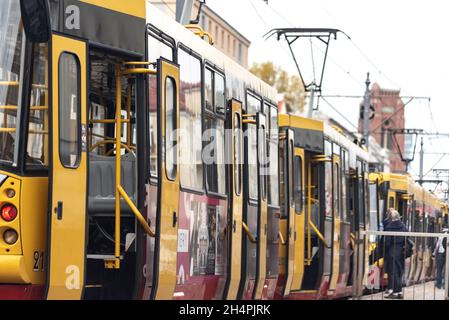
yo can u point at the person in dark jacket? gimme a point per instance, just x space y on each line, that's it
394 255
381 246
387 219
440 254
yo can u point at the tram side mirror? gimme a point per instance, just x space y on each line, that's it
36 20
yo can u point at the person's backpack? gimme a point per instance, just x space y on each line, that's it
408 247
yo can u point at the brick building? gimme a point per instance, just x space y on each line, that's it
226 38
388 114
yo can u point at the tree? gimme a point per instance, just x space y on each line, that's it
290 86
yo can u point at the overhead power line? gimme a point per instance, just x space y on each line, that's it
258 14
168 6
339 113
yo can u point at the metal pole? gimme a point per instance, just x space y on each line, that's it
360 266
446 274
421 162
355 260
366 108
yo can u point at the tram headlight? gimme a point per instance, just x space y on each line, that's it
8 212
10 236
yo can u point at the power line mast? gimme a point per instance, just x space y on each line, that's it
292 35
366 111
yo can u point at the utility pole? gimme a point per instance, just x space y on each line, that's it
366 108
421 162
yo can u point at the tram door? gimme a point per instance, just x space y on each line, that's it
262 217
68 170
254 241
299 216
236 200
168 191
361 246
336 207
287 221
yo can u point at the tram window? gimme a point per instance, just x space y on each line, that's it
253 106
298 185
374 221
274 127
291 173
328 187
170 128
282 176
69 110
263 161
391 202
220 102
37 147
336 149
157 48
336 189
273 178
273 186
209 89
360 199
237 155
191 165
328 148
344 185
11 33
153 124
215 156
366 199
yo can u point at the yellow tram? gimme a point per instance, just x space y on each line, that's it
109 115
105 192
421 211
324 192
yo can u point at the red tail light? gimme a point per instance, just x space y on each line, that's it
8 212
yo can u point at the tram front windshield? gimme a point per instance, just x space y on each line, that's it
11 32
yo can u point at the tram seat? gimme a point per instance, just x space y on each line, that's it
102 183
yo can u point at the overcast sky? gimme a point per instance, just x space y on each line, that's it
401 43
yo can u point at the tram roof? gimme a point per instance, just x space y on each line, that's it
312 129
208 52
406 184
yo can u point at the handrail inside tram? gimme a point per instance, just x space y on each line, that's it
119 191
322 158
319 234
248 233
281 238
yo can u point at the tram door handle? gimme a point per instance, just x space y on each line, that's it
58 210
175 219
234 226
